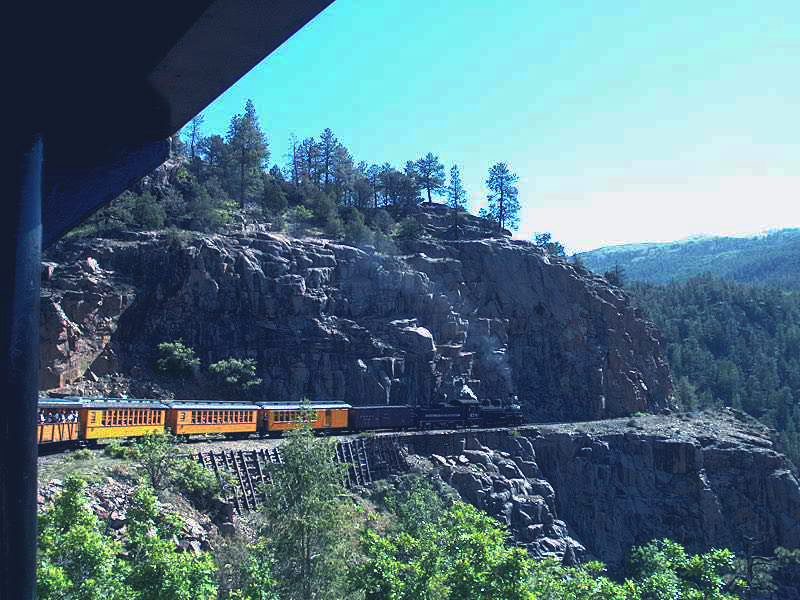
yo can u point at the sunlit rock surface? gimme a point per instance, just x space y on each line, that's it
330 321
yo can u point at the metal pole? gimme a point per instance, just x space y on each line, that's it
20 253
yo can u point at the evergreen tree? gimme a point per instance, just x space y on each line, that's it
327 149
193 138
248 152
616 276
546 242
309 520
430 175
294 167
274 199
214 152
342 176
308 160
503 201
456 194
373 175
399 189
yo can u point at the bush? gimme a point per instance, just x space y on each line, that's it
117 450
175 358
74 558
157 569
236 374
298 219
355 229
334 228
274 200
177 237
209 207
82 454
196 482
147 213
409 229
322 207
380 220
157 456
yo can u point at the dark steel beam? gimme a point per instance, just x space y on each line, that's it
20 244
75 194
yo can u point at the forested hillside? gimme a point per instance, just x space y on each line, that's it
771 259
732 344
213 180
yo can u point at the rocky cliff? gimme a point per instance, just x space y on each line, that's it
439 319
597 489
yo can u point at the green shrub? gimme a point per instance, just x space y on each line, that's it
175 358
380 220
158 458
81 454
147 213
177 237
298 220
409 229
117 450
196 482
236 374
74 558
334 228
355 229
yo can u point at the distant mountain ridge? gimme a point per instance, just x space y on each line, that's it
770 258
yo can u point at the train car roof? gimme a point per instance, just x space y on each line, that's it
298 405
82 402
212 404
376 406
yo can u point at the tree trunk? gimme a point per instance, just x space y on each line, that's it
241 181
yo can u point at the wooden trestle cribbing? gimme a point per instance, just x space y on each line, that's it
252 476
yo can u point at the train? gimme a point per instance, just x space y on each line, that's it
87 420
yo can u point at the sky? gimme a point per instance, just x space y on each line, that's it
626 120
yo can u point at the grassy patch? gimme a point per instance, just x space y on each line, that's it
99 466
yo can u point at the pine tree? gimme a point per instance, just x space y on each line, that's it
309 520
430 175
327 150
373 175
456 194
503 201
193 138
249 151
294 166
308 160
213 150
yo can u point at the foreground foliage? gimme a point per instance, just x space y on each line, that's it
77 560
310 524
412 539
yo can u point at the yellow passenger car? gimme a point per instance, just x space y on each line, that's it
189 418
112 418
277 417
59 421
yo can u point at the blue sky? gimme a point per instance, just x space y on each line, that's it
625 120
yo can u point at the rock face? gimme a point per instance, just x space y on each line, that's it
707 480
507 485
489 317
704 482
